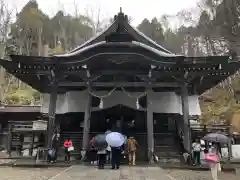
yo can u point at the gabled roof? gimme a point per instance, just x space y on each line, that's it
121 20
120 51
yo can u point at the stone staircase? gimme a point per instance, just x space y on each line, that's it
166 148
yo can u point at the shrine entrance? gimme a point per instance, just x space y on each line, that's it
120 118
123 59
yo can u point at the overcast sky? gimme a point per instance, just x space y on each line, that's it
137 10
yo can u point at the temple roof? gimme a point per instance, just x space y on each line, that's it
121 56
121 25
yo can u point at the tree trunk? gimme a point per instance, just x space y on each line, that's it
39 44
2 73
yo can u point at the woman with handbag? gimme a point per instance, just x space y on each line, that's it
68 148
212 156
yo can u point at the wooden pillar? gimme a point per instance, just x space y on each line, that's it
32 144
52 111
150 135
86 123
9 139
186 124
229 143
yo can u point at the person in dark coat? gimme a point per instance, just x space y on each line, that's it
56 142
116 157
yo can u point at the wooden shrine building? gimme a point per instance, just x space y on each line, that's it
122 61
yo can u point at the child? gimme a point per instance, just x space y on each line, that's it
101 157
92 156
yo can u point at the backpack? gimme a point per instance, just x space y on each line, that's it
51 152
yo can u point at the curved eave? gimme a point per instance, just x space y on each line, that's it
142 37
38 60
139 36
212 79
98 38
125 48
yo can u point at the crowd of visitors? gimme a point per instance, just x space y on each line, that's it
113 155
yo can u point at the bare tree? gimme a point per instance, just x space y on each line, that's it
5 17
96 21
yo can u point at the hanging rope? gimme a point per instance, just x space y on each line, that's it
104 96
135 97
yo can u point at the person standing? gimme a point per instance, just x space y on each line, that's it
212 156
92 155
108 156
68 148
101 157
116 157
132 148
196 149
56 143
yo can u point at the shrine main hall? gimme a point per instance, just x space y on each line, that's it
123 78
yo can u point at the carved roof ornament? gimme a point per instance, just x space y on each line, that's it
121 16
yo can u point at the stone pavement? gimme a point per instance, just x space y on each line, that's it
80 172
125 173
136 173
8 173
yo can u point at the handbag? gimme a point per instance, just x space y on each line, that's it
70 149
211 157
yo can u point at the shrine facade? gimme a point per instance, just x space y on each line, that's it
122 66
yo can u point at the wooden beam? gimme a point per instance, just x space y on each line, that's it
119 84
131 72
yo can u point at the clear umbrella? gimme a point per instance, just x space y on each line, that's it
115 139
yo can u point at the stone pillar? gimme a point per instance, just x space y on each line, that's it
150 135
86 123
52 111
186 124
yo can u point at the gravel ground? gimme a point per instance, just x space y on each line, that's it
92 173
7 173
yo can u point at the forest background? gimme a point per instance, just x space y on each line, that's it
215 32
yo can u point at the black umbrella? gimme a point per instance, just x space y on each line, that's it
99 141
216 137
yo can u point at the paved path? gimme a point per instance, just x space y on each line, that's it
80 172
136 173
8 173
125 173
